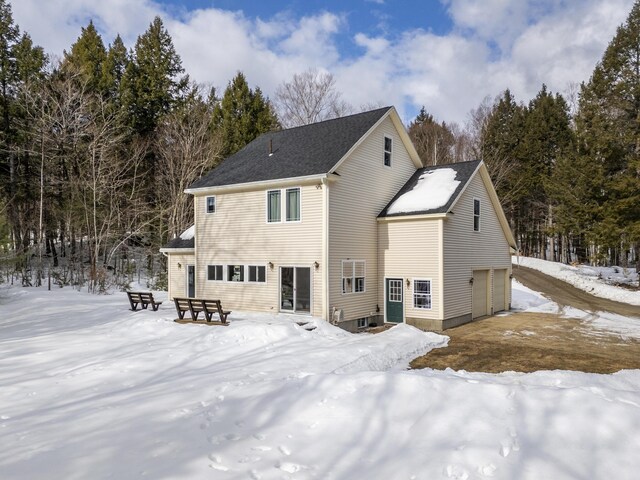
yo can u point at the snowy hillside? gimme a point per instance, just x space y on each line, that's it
92 390
598 281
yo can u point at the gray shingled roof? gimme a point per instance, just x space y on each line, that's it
464 171
180 243
297 152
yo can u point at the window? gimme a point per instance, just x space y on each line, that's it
257 273
211 204
353 275
273 206
363 322
291 199
235 273
214 272
387 151
293 204
476 215
422 294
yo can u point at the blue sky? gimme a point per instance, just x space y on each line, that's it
449 55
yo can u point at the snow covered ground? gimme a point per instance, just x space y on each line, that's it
89 389
595 280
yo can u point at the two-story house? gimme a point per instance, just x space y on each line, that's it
339 220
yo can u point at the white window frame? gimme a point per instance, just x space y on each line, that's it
248 272
283 205
229 277
267 203
215 279
426 295
206 204
363 322
353 279
390 151
479 215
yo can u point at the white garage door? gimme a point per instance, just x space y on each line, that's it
499 293
479 299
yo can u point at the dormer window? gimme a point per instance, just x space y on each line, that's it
387 151
210 205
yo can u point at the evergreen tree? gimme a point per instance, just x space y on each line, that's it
113 69
87 57
242 115
609 135
153 82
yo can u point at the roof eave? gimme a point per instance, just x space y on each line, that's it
413 216
278 182
177 250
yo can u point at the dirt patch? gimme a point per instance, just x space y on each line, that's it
527 342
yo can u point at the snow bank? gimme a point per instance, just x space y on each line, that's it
433 190
93 390
585 278
525 299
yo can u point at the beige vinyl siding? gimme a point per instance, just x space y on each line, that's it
466 250
177 275
356 197
238 233
411 250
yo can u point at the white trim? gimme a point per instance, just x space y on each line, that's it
295 296
479 214
206 205
406 218
413 292
259 185
266 268
325 250
267 205
392 277
353 276
177 250
226 273
186 281
440 269
283 204
464 187
221 265
384 152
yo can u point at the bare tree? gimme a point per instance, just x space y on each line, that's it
186 148
309 97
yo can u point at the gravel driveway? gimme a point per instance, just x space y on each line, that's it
527 342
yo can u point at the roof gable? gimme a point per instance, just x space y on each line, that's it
303 151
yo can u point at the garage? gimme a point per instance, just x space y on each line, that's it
480 293
499 290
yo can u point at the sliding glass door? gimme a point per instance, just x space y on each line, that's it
295 289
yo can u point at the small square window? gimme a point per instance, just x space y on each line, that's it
387 151
363 322
257 273
235 273
211 204
214 272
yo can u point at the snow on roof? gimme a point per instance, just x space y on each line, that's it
433 190
189 233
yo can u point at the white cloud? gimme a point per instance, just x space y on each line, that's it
493 44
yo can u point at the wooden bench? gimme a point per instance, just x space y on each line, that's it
144 299
197 305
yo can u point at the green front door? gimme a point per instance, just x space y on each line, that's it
393 298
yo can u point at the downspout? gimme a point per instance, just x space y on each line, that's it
325 250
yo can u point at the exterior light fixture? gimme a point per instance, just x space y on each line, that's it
471 281
316 264
271 265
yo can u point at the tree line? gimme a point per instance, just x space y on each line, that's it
566 168
97 148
